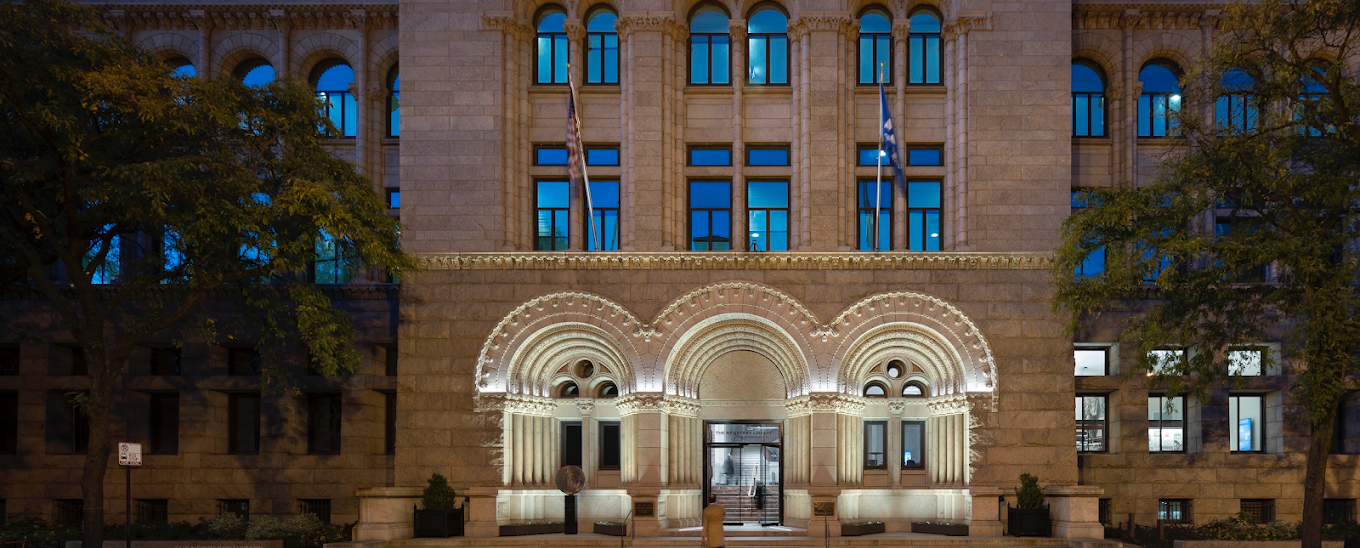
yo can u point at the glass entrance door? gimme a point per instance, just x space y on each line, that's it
743 469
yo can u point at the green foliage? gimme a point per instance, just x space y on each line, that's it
1029 496
438 494
1234 528
297 531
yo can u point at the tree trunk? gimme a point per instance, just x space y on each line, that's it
96 455
1315 479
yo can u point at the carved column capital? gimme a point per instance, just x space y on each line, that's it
737 28
585 406
575 31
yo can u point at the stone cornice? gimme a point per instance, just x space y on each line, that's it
537 406
217 16
735 261
948 405
825 402
1153 16
639 402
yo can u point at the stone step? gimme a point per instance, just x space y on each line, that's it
591 540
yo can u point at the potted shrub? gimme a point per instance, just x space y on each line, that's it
1029 518
438 517
858 528
614 528
940 528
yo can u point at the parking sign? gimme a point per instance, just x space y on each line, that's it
129 454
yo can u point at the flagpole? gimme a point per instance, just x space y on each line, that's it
585 177
878 183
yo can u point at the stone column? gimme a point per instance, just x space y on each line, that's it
1134 89
283 64
896 407
643 421
961 136
986 512
900 30
737 30
586 408
1076 510
576 210
364 125
205 28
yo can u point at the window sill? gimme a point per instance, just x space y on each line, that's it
708 89
548 89
1161 141
767 89
926 89
1093 141
599 89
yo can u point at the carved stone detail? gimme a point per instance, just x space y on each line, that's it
735 261
635 403
585 406
897 406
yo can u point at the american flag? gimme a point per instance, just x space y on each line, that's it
575 152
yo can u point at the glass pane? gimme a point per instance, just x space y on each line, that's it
1144 116
779 230
716 195
765 194
923 157
768 20
560 59
709 19
883 65
916 238
767 156
912 453
611 58
871 157
874 444
544 59
185 70
698 231
607 227
925 23
722 230
553 194
394 123
552 156
1164 361
1098 116
1159 115
259 75
350 122
932 59
923 194
1081 109
560 229
1244 363
604 194
758 233
779 59
602 21
756 64
336 78
698 59
1090 362
1086 79
881 197
932 230
1244 423
866 59
1158 78
593 60
874 22
710 156
916 53
721 61
602 156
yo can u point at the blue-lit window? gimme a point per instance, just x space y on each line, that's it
1230 226
551 202
710 156
1088 100
394 198
925 156
550 155
255 73
107 269
172 250
1313 93
875 197
923 215
710 216
767 156
767 212
923 49
870 156
394 103
1159 261
182 68
1160 103
875 48
550 49
602 156
1236 109
602 48
603 235
768 47
709 47
1094 264
332 81
333 265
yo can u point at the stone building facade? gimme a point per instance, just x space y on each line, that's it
912 383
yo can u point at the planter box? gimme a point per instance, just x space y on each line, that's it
530 529
857 529
1033 522
439 523
619 530
940 529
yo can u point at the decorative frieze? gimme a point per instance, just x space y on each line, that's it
1159 17
639 402
825 402
143 17
736 261
534 406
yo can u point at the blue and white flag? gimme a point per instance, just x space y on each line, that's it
889 139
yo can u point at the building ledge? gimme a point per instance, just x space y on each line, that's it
577 260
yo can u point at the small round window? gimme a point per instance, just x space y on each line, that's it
895 369
584 369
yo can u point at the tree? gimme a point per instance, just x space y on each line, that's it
1250 232
132 197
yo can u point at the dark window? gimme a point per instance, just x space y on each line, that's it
1094 264
393 198
571 444
923 49
9 360
390 356
67 360
551 49
875 48
767 213
321 508
1346 430
323 424
1091 425
68 428
875 445
1174 510
153 511
255 73
390 423
1258 510
163 423
603 226
552 232
568 390
240 507
709 47
608 390
334 262
68 512
1239 229
553 155
394 103
243 424
710 215
767 156
1236 108
925 155
243 361
1246 423
165 361
609 446
710 156
875 197
9 423
1088 100
913 445
1166 424
768 47
602 48
1337 511
602 156
332 81
1160 103
875 390
923 215
1103 512
1313 94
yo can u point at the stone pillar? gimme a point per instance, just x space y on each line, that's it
825 502
385 513
283 63
576 209
1076 510
961 136
986 512
900 30
483 514
1133 89
205 28
896 406
796 241
737 30
364 125
586 408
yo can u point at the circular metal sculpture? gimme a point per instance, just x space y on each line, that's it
571 479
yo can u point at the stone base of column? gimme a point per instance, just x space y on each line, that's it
386 513
826 515
985 520
1075 510
649 512
483 520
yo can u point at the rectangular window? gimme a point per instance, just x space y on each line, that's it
767 156
163 424
875 445
1158 114
243 424
768 58
553 199
1246 423
68 512
153 511
1174 510
1258 510
243 361
1166 424
869 155
767 212
550 155
1091 362
1103 512
390 423
609 445
1239 229
9 423
390 356
604 199
602 57
710 156
602 156
551 50
240 507
1094 264
710 216
68 428
708 59
1091 423
1346 430
1338 511
875 57
334 262
9 361
913 445
323 424
393 198
321 508
1245 362
67 360
165 361
1165 362
875 197
571 444
923 215
925 155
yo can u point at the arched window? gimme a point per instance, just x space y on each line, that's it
568 390
875 389
608 390
923 45
768 47
332 81
1088 100
709 54
255 73
551 48
1235 109
1313 93
914 389
182 68
394 103
1161 99
602 48
875 48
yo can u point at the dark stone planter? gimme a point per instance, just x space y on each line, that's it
439 523
530 529
857 529
1032 522
618 530
940 529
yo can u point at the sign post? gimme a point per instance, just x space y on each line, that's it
129 455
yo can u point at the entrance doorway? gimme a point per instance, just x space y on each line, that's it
742 466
